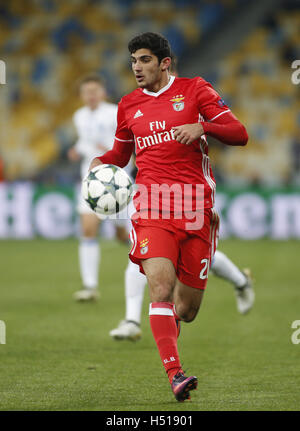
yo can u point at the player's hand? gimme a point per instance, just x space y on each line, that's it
73 155
95 162
188 133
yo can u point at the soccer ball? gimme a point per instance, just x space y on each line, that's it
107 189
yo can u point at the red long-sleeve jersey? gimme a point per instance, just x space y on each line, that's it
145 122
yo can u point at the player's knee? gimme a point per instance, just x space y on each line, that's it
161 292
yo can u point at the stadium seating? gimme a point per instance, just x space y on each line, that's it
49 45
256 81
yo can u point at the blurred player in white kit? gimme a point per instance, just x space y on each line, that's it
95 125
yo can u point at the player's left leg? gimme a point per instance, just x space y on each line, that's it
223 267
187 301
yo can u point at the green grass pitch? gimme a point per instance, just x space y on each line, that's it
58 354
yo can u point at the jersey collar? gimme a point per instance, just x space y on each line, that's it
162 90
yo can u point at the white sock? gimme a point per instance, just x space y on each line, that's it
135 283
225 268
89 260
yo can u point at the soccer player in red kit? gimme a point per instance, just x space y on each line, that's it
166 119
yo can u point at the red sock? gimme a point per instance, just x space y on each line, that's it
164 331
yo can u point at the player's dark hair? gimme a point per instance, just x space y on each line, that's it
156 43
90 78
173 66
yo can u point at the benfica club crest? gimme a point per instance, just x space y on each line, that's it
178 103
144 246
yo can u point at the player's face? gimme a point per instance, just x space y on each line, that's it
92 93
146 68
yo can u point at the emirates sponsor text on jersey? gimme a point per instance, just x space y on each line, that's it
158 136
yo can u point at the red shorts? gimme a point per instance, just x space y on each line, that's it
191 251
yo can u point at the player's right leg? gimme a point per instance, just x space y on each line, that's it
161 278
156 249
89 257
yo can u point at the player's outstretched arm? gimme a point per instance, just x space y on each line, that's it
119 155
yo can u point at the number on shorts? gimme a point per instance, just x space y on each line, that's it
204 271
